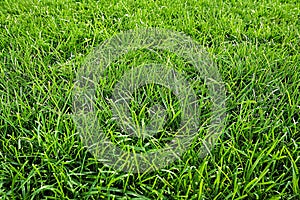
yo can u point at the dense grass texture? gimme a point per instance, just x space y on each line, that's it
255 45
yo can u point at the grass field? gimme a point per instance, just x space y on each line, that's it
255 45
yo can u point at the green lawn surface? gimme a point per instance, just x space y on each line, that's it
255 45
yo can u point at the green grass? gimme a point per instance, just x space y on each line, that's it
255 45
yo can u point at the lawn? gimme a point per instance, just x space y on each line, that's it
255 46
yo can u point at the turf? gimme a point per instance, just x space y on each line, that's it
255 45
